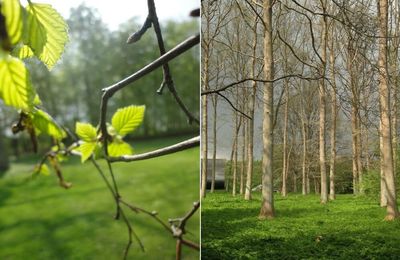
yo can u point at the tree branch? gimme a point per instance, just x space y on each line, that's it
110 91
193 142
207 92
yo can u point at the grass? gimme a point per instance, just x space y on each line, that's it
40 220
347 228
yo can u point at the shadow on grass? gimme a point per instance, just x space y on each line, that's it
63 235
344 245
302 229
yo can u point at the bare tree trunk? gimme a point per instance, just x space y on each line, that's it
231 160
354 147
366 150
250 140
235 149
359 161
304 159
204 145
322 111
285 137
308 186
234 170
243 157
334 111
214 159
383 199
384 98
267 207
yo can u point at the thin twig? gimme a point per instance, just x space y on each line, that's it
193 142
110 91
152 214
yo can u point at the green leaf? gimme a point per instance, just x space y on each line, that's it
126 119
15 86
86 150
47 33
119 148
86 132
44 123
43 170
98 152
22 52
12 10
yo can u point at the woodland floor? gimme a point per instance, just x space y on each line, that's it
40 220
347 228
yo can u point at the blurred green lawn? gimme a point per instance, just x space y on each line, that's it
40 220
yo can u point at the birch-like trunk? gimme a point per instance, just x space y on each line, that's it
204 151
322 113
384 98
285 137
267 206
250 140
214 158
334 111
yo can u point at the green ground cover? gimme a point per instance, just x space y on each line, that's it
348 228
40 220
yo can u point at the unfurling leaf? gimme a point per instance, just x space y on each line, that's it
12 11
22 52
119 148
86 132
15 86
86 150
47 33
44 123
126 119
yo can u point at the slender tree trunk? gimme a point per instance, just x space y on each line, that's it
383 199
231 161
267 207
354 147
285 137
204 145
250 140
366 150
308 183
235 149
334 111
234 170
304 160
384 98
322 111
214 159
359 160
243 157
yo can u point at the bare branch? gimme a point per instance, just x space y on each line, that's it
110 91
207 92
193 142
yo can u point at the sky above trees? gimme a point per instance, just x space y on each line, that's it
115 12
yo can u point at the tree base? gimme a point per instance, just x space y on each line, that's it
267 217
390 217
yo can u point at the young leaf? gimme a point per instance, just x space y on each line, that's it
15 86
12 10
86 150
119 148
47 33
44 123
22 52
86 132
126 119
